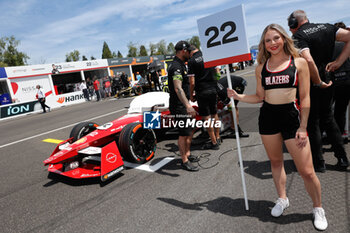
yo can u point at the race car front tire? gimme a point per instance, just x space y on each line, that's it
82 129
136 144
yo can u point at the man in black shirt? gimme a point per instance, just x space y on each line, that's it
342 86
179 105
124 79
238 84
203 81
316 44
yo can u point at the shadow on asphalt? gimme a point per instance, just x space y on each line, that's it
236 208
262 170
56 178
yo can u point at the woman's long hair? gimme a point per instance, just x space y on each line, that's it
288 47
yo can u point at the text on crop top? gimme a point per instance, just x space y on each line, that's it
286 78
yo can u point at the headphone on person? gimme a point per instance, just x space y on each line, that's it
292 21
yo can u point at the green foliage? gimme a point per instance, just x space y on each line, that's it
120 54
143 51
152 49
9 55
73 56
106 52
161 48
195 41
171 48
132 50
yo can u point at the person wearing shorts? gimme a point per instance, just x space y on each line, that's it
203 84
283 78
179 101
279 118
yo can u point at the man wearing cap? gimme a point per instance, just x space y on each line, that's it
179 101
316 44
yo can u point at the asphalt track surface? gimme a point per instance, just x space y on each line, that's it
167 200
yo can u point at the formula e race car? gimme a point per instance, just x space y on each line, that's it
100 151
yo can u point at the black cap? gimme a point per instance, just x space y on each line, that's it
182 45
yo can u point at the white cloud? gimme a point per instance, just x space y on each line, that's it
142 21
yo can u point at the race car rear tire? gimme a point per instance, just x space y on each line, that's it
138 90
136 144
82 129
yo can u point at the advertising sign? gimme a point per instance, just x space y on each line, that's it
45 69
65 99
34 70
120 61
77 66
17 109
223 37
5 99
3 72
24 89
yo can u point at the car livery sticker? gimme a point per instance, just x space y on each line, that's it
111 158
81 140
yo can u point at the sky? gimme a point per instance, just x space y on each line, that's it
48 30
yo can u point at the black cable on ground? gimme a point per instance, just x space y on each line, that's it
206 155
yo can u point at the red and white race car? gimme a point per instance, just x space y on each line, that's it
99 151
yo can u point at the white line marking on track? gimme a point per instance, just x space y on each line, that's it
67 126
149 168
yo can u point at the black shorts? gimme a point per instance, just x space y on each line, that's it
279 118
207 103
181 115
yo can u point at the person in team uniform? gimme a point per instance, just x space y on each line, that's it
238 84
316 43
84 89
96 84
203 89
40 95
280 75
342 86
179 105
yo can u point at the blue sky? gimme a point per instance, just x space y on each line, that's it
50 29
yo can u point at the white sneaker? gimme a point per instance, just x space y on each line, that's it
281 204
320 221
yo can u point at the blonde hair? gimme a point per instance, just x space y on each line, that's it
288 47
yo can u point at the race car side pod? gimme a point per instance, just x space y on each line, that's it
111 161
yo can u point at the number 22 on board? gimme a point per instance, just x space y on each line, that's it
226 38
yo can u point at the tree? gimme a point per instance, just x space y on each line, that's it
132 50
120 54
84 58
114 55
73 56
143 51
171 48
161 47
152 48
106 52
195 41
9 55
